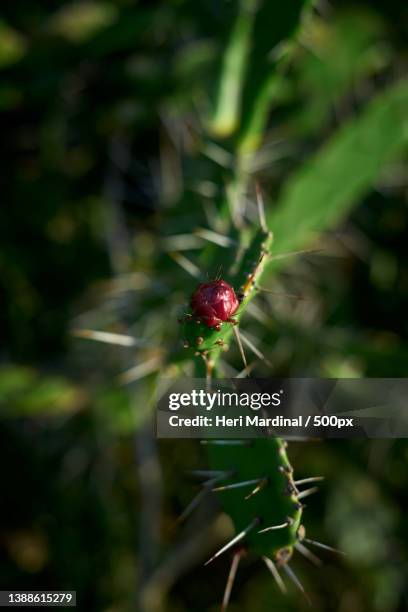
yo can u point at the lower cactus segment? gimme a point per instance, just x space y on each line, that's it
268 494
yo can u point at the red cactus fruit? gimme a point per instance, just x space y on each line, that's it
214 303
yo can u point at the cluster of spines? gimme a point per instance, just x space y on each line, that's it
274 542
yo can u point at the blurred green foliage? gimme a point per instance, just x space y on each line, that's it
102 162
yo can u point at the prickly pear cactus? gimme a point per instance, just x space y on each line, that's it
253 478
228 248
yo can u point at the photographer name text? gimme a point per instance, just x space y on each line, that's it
301 421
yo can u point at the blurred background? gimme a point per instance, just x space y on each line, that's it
102 106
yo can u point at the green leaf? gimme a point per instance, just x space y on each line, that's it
324 189
78 21
12 45
25 392
227 99
275 25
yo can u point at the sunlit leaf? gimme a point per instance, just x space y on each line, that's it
78 21
25 392
323 190
12 45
